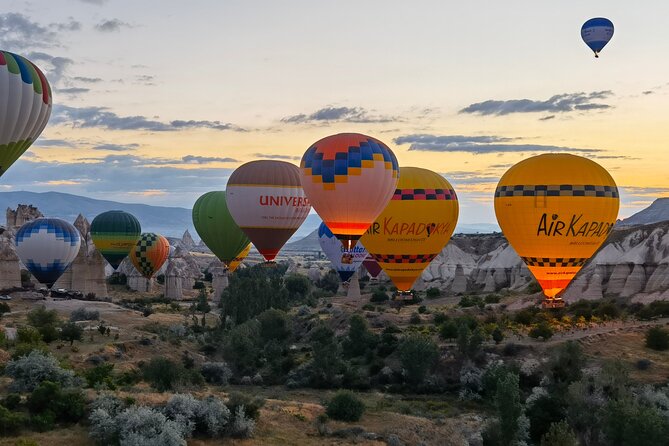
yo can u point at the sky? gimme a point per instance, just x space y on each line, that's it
158 101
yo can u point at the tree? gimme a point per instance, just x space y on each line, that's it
497 335
543 330
418 355
46 322
559 434
448 330
345 406
509 408
657 338
242 346
626 422
250 294
545 411
326 355
329 282
566 363
359 339
202 305
71 332
298 286
274 325
432 293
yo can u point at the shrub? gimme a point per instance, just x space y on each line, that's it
46 322
379 296
492 299
433 293
439 318
449 330
4 308
543 330
30 371
643 364
100 374
11 401
559 434
415 319
198 285
66 405
657 338
82 314
497 335
211 416
216 373
242 426
71 332
181 409
423 309
359 339
418 355
10 422
163 374
345 406
251 406
242 346
144 426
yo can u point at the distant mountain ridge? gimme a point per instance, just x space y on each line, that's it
658 211
168 221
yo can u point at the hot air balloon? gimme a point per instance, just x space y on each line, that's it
372 267
345 262
596 33
47 246
414 227
234 264
114 234
216 227
25 106
556 210
349 178
149 253
267 202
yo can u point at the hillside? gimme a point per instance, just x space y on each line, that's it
658 211
169 221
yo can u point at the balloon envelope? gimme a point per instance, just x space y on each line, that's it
217 228
47 246
596 33
345 262
149 253
266 200
372 267
349 178
114 234
234 264
25 106
414 227
556 210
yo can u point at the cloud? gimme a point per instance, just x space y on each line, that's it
94 2
145 79
547 118
272 156
338 114
477 144
87 80
55 67
116 147
19 33
111 25
648 92
118 177
73 91
45 142
561 103
101 117
194 159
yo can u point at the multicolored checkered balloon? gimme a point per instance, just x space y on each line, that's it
150 253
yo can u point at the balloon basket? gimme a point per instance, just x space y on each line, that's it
269 264
403 296
553 303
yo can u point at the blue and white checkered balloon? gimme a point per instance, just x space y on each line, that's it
47 246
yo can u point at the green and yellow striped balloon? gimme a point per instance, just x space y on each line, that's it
114 234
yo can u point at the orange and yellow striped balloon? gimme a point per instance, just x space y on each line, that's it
556 210
414 227
150 253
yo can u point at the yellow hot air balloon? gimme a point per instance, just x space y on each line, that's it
414 227
556 210
239 258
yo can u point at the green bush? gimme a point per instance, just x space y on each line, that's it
274 324
198 285
46 322
4 308
345 406
10 422
423 309
379 296
439 318
433 293
418 355
11 401
448 330
100 374
251 405
415 319
71 332
543 330
163 374
657 338
66 405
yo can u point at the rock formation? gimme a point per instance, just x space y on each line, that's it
219 279
187 241
10 270
23 214
87 272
